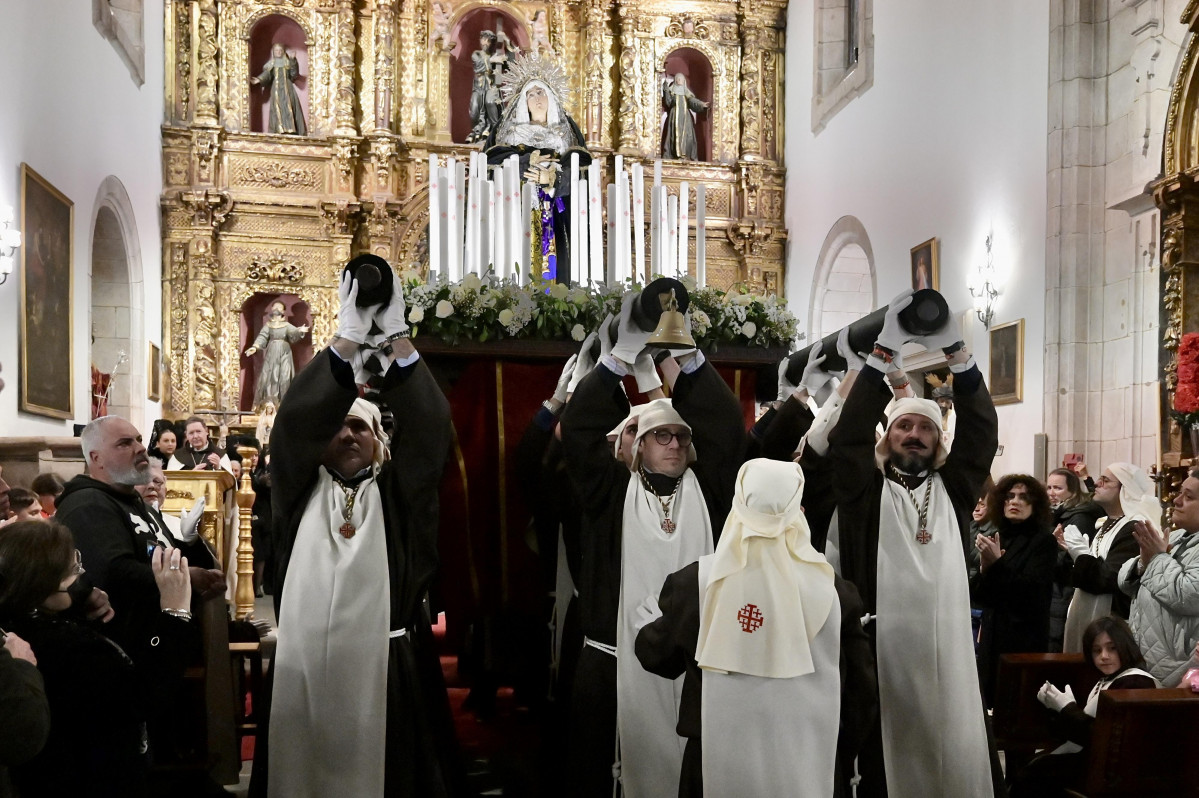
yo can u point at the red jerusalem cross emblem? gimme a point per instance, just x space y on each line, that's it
750 618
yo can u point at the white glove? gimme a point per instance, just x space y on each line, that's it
648 611
189 521
630 339
1055 699
646 373
605 335
814 377
353 322
584 362
785 386
949 334
853 361
1076 542
392 320
893 336
564 380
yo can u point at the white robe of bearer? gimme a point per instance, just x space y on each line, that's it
927 677
329 710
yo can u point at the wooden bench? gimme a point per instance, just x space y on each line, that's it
1143 742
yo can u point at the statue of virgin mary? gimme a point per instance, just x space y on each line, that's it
536 129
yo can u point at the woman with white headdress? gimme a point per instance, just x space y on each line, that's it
537 130
780 683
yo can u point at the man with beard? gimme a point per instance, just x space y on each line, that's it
357 699
200 453
903 506
116 532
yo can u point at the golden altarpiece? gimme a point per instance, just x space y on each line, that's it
1177 196
249 214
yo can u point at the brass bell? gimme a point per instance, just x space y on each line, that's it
671 332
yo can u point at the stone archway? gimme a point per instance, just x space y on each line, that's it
117 313
845 286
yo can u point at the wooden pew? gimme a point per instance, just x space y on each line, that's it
1143 742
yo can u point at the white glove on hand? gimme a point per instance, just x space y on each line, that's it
814 377
1076 542
392 320
630 339
893 336
949 334
605 335
646 373
785 386
568 372
1055 699
584 362
648 611
353 322
853 360
189 521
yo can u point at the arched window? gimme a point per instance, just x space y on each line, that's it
843 288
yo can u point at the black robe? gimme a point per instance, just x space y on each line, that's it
600 481
858 484
667 648
421 756
1097 576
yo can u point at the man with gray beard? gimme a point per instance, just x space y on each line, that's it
116 532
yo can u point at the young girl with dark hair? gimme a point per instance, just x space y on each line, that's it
1112 651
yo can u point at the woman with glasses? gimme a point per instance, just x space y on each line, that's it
1015 577
98 698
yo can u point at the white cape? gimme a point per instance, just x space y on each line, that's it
651 751
329 707
934 736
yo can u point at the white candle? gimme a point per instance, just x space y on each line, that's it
498 221
487 225
595 217
575 275
515 238
471 246
657 173
661 237
701 238
435 222
610 277
672 233
528 207
638 221
580 245
684 230
453 222
619 164
624 269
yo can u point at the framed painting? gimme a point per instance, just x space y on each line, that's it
47 298
1006 378
154 374
925 270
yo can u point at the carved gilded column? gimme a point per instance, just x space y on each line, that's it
385 27
593 65
179 59
438 102
207 69
202 301
343 97
630 84
751 97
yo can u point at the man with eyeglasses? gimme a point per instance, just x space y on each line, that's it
1126 495
642 520
904 506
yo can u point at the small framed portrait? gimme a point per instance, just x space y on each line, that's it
48 223
925 272
1006 379
154 374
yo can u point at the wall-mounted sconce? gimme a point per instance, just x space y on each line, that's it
984 289
10 241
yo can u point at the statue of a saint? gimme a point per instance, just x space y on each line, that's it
277 336
484 98
279 75
678 136
540 27
535 128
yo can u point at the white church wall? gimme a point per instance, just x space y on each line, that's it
69 109
948 142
